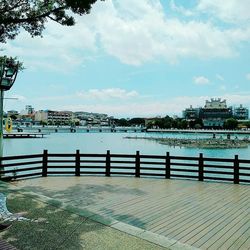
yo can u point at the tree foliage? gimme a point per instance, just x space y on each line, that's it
231 123
137 121
32 15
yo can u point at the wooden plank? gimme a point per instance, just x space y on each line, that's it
244 245
202 231
190 210
167 206
217 240
238 238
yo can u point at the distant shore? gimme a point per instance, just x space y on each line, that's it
198 143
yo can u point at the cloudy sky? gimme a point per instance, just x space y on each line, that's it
137 58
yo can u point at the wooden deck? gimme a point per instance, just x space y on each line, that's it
200 214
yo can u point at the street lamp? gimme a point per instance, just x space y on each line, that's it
8 72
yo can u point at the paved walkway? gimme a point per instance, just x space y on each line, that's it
171 213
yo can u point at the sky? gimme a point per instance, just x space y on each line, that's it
132 58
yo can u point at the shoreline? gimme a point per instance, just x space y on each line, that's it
209 143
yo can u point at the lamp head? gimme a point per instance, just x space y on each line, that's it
8 73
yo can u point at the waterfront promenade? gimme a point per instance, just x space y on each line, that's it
176 214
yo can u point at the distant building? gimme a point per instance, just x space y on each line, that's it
29 109
215 112
191 113
241 113
12 113
54 117
92 119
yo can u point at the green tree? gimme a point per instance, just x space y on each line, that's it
137 121
43 123
231 123
122 122
183 124
33 14
197 123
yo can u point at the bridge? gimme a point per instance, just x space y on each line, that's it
80 129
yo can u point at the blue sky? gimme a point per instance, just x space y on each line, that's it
137 58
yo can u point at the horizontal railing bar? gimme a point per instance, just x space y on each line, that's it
121 156
152 163
60 172
243 180
217 178
60 161
184 164
189 158
91 172
184 176
122 173
49 167
27 175
218 159
122 167
244 174
157 169
217 172
152 174
20 164
10 158
184 170
153 156
61 155
243 168
20 170
92 155
98 167
244 161
92 161
217 166
126 162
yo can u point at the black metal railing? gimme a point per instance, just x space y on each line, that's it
139 165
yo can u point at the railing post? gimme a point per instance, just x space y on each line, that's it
167 166
201 167
78 163
108 163
45 163
236 170
137 164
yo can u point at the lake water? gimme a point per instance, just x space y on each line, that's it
115 142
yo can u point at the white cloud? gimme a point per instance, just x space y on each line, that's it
180 9
59 49
105 94
232 11
248 76
151 108
138 37
201 80
220 77
223 87
132 35
146 107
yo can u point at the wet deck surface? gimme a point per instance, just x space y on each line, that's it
203 215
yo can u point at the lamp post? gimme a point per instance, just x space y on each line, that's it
8 72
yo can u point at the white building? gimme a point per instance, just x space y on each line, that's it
54 117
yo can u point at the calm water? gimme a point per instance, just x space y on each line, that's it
100 142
